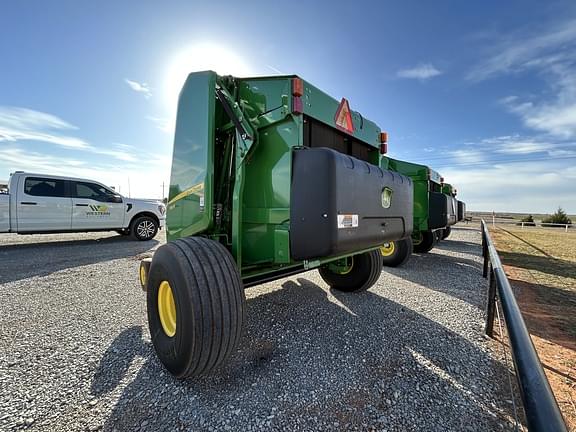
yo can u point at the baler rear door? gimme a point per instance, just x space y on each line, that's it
438 210
340 204
452 210
461 211
191 180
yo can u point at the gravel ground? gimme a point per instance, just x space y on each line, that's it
75 352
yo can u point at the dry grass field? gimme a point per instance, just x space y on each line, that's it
541 265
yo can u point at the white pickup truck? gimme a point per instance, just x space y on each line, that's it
37 203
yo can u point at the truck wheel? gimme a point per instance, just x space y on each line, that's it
362 272
446 232
196 303
396 253
144 228
426 242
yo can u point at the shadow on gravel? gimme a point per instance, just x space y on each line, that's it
117 359
317 360
459 247
40 259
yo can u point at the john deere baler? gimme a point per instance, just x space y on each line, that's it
270 177
433 210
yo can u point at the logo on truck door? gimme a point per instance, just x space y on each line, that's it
98 210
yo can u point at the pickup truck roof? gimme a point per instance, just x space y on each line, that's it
22 173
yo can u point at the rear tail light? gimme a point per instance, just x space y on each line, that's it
297 87
297 92
383 142
297 105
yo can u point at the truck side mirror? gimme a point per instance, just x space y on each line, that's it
115 199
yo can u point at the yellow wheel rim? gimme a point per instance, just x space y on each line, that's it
167 309
387 249
142 275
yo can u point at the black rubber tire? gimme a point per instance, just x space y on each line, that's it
124 232
140 228
401 254
439 234
365 272
210 304
446 232
427 243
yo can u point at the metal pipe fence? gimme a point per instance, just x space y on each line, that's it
540 406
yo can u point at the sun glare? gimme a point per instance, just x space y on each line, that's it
199 57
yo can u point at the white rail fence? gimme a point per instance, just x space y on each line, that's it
495 220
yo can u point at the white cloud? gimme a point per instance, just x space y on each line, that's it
421 72
466 156
167 125
514 173
22 124
139 87
519 52
527 187
550 55
145 177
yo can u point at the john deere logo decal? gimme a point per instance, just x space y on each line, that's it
386 197
98 210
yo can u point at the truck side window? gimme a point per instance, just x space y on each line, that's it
37 186
91 191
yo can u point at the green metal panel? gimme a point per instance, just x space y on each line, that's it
447 189
191 181
323 107
419 175
423 178
266 197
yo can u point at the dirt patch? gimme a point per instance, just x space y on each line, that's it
541 266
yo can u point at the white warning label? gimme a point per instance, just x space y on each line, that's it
347 221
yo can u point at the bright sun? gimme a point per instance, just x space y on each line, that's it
198 57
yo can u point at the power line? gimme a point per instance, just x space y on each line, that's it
499 161
438 155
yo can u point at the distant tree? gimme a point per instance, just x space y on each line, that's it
528 221
560 217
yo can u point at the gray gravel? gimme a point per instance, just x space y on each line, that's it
409 354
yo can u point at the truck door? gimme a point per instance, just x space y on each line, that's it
42 204
95 207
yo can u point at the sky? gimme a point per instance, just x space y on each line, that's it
483 92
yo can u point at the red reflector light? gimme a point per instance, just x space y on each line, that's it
383 148
297 105
297 87
383 137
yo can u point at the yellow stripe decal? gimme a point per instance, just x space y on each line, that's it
194 189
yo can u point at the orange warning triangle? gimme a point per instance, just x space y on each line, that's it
343 117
